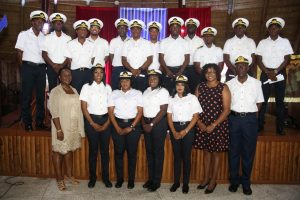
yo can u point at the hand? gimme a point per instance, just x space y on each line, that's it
210 128
119 130
182 133
96 126
271 75
147 128
56 67
176 135
127 130
60 135
201 126
135 72
170 73
179 73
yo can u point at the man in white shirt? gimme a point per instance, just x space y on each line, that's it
237 45
137 55
174 54
80 55
101 45
115 51
33 69
246 100
208 53
273 55
154 28
54 47
195 42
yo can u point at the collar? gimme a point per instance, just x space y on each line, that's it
127 38
278 38
236 37
179 37
94 84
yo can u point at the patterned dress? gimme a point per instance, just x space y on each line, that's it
212 105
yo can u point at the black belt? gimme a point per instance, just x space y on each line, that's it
124 120
148 119
99 116
182 123
242 114
32 63
81 69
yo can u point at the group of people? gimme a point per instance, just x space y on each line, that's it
157 88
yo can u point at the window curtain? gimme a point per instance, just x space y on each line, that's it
108 16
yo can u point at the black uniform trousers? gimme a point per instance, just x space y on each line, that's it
169 82
193 76
129 143
279 98
52 77
33 79
155 143
115 80
80 77
95 139
182 149
140 82
243 136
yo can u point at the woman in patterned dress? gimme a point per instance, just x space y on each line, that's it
212 133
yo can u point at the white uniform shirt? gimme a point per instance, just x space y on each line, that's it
153 99
31 45
273 51
115 48
184 108
56 46
81 55
174 50
125 103
235 47
96 96
244 96
136 52
194 44
154 49
101 50
205 55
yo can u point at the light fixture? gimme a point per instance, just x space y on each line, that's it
88 2
23 3
55 2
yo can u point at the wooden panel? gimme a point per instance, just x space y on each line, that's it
277 159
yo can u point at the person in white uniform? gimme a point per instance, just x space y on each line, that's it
115 51
237 45
154 28
182 115
208 53
155 103
94 104
195 42
125 112
273 55
54 47
174 54
137 55
33 69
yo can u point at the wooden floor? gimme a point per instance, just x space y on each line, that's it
277 158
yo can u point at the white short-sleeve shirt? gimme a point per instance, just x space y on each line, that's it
235 47
125 103
136 52
101 50
56 46
81 55
115 48
184 108
273 51
195 43
174 50
205 55
245 96
31 45
154 49
96 96
153 99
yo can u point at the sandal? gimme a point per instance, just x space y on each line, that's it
61 185
72 180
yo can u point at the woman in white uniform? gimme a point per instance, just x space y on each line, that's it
182 114
125 112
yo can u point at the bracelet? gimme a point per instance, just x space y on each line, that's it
58 131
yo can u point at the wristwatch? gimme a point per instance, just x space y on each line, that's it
151 124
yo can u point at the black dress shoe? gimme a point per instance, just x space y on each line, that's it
130 184
153 187
119 183
28 127
233 187
201 187
41 126
247 191
185 188
208 191
174 187
91 183
147 184
107 183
